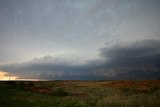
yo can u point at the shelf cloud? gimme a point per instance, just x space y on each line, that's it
139 59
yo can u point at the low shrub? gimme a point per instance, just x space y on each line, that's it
61 92
11 84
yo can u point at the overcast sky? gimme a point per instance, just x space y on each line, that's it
80 39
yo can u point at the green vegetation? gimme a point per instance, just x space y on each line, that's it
144 93
61 92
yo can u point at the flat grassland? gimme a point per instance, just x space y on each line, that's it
107 93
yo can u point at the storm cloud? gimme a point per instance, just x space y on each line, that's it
133 52
134 60
80 39
139 59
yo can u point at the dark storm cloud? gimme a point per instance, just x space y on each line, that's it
140 59
145 51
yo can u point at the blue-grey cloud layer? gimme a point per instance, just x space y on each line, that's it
80 27
140 59
80 39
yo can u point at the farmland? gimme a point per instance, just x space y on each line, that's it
105 93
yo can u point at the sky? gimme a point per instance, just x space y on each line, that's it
79 39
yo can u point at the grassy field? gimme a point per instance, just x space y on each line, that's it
129 93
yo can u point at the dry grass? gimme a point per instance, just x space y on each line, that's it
129 93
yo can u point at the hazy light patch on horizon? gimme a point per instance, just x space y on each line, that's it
5 76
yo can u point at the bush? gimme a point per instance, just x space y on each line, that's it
125 89
21 83
61 92
11 84
31 84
